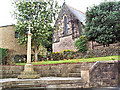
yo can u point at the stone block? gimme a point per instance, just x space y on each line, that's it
74 74
85 75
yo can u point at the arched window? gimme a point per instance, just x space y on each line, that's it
16 34
65 20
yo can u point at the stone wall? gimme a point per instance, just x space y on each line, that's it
101 74
58 70
8 40
66 43
104 51
96 45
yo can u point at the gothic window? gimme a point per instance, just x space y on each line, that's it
65 20
16 34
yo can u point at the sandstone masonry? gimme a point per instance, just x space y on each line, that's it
99 74
61 41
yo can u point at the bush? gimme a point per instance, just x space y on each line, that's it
81 44
3 55
20 59
55 56
66 54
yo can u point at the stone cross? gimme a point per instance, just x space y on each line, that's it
29 46
29 28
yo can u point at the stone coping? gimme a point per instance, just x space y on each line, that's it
112 61
106 62
50 64
95 64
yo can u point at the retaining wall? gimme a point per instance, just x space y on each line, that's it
58 70
102 74
99 74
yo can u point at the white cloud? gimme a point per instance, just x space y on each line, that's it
6 8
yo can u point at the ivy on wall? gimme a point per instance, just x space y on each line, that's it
3 54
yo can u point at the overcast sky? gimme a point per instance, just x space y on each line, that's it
7 19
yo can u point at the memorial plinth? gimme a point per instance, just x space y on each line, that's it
29 72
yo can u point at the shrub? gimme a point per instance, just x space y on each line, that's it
3 55
68 54
55 56
65 54
81 44
20 58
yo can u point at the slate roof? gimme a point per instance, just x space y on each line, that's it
80 15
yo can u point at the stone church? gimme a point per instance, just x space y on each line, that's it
68 28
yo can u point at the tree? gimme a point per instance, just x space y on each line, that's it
81 44
103 23
39 15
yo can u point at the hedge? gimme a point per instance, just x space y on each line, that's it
70 54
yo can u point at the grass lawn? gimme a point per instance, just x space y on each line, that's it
108 58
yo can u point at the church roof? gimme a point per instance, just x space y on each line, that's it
80 15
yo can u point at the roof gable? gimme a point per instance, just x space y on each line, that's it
80 15
77 14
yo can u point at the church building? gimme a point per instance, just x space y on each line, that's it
68 28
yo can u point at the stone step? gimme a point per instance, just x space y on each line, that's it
1 76
1 72
75 85
52 74
59 74
44 85
29 85
45 82
78 70
78 66
74 74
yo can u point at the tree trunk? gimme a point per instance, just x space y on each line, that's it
36 53
92 45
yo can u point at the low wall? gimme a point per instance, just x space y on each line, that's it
102 74
99 74
58 70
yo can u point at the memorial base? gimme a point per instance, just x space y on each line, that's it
28 73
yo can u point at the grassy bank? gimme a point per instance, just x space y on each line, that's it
108 58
